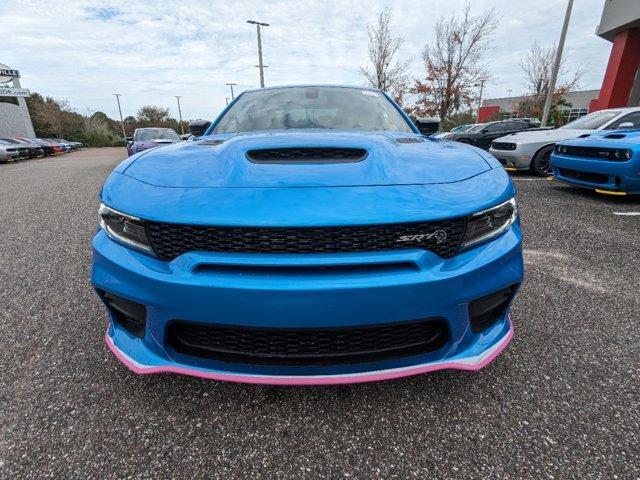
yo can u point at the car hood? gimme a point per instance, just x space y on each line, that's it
543 136
221 161
609 139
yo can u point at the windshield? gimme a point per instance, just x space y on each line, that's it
147 134
593 121
312 107
475 128
462 128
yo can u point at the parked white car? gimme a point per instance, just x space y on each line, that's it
8 152
532 149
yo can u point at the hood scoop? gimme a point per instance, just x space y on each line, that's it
307 155
585 135
211 143
409 140
615 136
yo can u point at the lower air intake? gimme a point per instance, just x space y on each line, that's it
308 346
486 311
130 315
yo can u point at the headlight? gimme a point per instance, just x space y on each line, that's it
124 228
490 223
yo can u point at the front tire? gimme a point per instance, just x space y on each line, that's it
541 163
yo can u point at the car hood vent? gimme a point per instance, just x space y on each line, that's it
306 155
211 143
585 135
615 136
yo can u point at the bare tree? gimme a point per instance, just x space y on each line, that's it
537 66
50 114
387 74
454 63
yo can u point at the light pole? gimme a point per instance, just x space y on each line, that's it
231 86
178 97
260 64
556 65
124 133
481 85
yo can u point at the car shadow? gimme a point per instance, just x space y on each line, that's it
588 194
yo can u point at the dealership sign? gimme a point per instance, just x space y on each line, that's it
14 92
7 74
19 125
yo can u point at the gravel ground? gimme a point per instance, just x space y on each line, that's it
561 402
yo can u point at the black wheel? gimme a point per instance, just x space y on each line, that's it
541 164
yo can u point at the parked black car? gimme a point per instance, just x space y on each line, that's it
47 147
482 135
35 150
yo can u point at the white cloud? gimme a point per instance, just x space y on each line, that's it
149 51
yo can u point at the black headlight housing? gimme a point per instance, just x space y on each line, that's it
490 223
125 229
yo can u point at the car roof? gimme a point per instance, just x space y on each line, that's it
620 109
313 85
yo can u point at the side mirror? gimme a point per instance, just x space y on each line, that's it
198 127
626 125
129 139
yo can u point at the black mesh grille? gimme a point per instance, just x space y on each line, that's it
307 155
503 146
172 240
611 154
589 177
308 346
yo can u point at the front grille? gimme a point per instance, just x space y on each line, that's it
503 146
589 177
308 346
611 154
172 240
307 155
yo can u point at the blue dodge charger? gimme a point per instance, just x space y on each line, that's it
310 235
607 162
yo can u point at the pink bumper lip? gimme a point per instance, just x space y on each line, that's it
469 364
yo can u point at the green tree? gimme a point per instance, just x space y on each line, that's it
152 116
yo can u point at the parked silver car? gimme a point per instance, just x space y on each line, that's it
532 149
8 152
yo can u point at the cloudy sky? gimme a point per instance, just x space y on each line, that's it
150 51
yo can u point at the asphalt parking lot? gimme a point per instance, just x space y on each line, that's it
563 401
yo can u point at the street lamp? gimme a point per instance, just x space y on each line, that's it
124 133
231 86
556 65
481 85
178 97
260 64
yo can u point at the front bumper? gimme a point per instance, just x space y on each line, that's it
436 288
518 159
595 174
